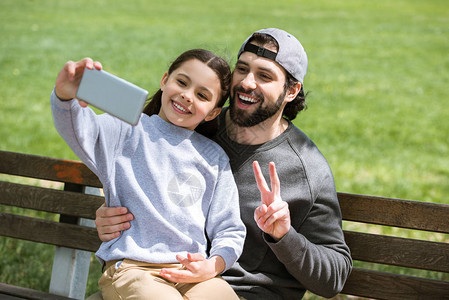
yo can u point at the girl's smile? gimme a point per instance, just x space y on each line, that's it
180 108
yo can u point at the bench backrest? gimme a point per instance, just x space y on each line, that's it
71 203
374 247
391 250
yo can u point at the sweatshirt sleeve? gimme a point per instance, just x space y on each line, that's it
224 226
93 138
316 253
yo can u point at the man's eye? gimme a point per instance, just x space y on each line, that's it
241 69
265 77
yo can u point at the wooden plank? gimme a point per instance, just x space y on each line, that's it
49 232
49 200
396 251
380 285
47 168
395 212
16 292
8 297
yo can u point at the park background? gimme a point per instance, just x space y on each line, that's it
378 77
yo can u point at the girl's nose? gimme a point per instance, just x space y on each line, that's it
187 96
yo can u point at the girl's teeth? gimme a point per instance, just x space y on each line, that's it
179 107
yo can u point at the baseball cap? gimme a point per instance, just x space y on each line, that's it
291 55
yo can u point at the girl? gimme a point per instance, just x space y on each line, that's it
176 182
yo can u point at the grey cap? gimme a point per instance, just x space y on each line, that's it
291 55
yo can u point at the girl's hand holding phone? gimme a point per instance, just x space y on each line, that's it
69 78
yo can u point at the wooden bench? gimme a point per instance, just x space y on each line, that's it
72 237
397 251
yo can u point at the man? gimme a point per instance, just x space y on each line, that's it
294 237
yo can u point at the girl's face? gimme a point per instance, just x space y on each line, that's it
190 94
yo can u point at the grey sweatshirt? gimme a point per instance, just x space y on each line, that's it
177 183
313 255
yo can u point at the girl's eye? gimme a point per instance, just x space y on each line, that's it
202 96
181 82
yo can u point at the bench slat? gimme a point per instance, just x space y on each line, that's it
396 251
8 297
16 292
395 212
47 168
380 285
49 200
49 232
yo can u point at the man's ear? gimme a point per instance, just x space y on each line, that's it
164 80
213 114
293 91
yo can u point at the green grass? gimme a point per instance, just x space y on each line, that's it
378 70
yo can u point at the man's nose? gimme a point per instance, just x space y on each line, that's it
249 82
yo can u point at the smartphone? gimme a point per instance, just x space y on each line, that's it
112 94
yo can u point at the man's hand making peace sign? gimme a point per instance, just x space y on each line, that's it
273 216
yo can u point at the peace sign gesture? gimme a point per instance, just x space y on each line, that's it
273 216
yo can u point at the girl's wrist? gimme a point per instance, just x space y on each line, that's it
219 264
62 99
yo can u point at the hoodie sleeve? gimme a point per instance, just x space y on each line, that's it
224 225
93 138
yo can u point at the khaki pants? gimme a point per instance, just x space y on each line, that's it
98 296
139 280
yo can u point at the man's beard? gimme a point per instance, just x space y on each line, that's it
244 119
